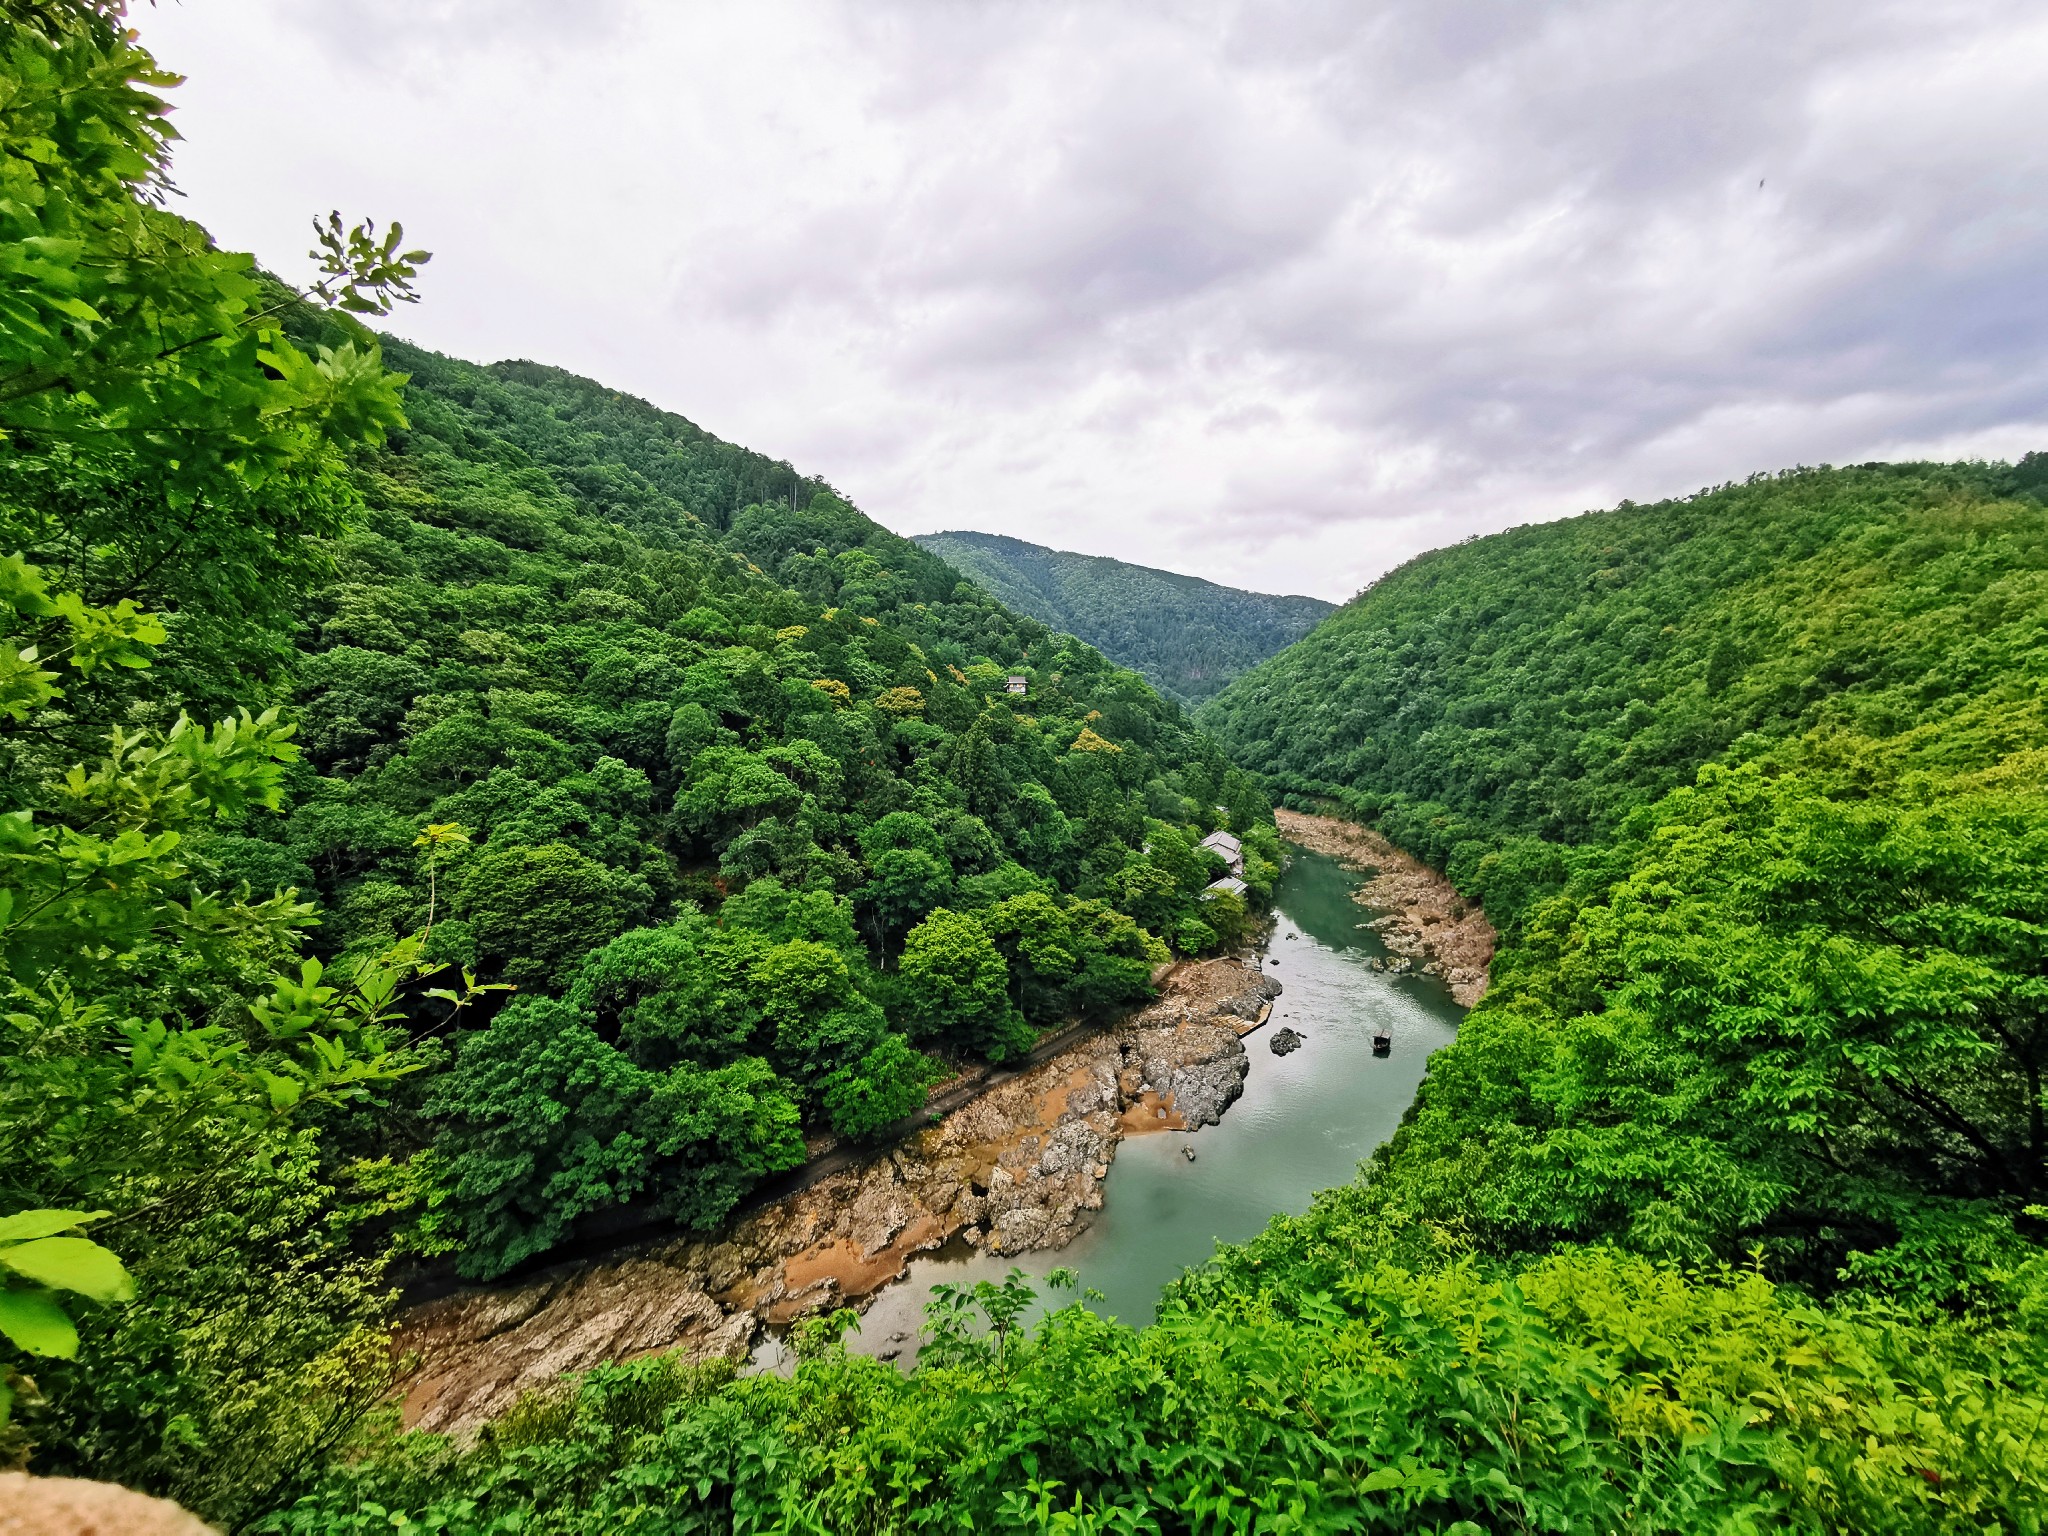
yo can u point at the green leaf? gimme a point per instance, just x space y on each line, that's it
284 1091
34 1321
71 1264
23 1225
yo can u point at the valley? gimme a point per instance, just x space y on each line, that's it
1017 1169
562 978
1081 1161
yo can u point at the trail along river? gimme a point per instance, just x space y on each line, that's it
1304 1123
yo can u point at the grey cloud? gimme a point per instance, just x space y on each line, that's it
431 33
1296 288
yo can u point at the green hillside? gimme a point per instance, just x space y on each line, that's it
730 793
1548 682
1189 637
1757 784
612 810
1724 1211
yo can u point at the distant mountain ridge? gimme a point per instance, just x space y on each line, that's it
1189 637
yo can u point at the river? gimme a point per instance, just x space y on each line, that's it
1304 1123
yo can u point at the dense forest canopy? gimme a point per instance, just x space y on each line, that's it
695 707
441 810
1188 636
1756 781
733 769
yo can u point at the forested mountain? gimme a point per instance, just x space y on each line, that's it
441 810
1758 783
732 795
713 760
1492 704
1188 636
552 581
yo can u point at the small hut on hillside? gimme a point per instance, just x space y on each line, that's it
1016 684
1226 848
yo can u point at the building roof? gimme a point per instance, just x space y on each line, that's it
1228 883
1223 843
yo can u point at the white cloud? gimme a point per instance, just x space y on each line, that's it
1277 293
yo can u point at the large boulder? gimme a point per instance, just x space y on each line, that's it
1200 1067
73 1506
1252 999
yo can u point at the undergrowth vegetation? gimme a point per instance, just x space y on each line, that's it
1587 1391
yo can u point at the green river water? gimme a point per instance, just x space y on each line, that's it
1304 1123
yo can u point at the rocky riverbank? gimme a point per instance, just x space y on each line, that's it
1016 1169
1422 919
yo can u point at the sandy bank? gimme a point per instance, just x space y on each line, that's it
1423 918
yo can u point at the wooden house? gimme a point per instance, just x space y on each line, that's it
1226 848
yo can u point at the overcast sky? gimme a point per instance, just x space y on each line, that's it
1279 294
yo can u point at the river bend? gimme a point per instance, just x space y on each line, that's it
1305 1122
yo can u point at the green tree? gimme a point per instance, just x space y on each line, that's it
731 790
1149 894
161 438
543 1122
1872 967
679 993
770 908
537 911
886 1085
124 323
821 1021
158 1061
1044 835
903 885
118 1069
908 874
957 988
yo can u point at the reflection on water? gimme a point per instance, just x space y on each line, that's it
1304 1123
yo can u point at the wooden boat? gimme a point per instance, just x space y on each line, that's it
1382 1041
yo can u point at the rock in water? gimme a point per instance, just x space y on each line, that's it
1188 1153
1283 1040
